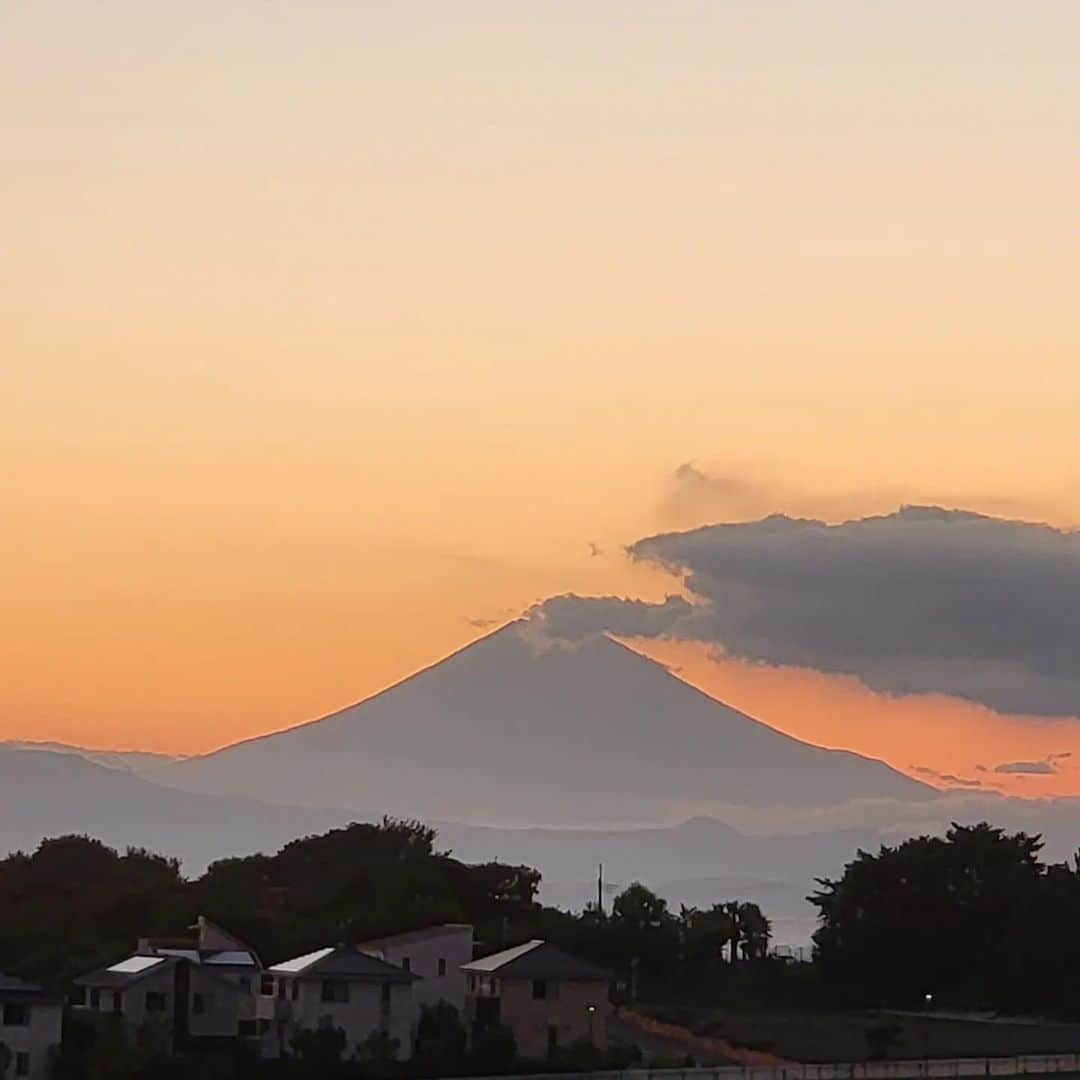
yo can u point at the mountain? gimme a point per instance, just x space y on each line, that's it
136 761
510 730
44 793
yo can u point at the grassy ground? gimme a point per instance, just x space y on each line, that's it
817 1036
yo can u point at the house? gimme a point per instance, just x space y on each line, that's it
31 1022
436 954
216 949
337 987
548 998
203 988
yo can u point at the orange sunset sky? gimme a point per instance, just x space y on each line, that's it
334 332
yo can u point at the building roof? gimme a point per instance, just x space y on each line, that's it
426 933
220 957
343 962
211 945
126 972
537 959
13 989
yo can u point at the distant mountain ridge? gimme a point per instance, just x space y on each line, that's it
136 761
46 793
509 731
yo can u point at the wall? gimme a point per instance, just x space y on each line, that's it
361 1015
224 1005
455 947
37 1038
566 1007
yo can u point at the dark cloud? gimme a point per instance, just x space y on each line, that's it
923 600
576 617
1026 768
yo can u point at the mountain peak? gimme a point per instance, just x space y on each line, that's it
515 729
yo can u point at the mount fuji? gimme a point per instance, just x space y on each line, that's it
512 730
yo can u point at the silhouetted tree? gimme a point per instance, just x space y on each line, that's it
966 917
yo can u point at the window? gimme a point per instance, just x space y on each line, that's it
78 995
266 986
22 1064
406 963
442 965
335 991
296 989
472 984
16 1014
95 998
117 1001
539 990
155 1001
201 1004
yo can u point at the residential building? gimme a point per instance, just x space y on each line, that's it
337 987
547 997
203 988
31 1022
436 954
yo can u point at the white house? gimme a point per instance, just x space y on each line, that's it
198 989
337 987
31 1023
436 954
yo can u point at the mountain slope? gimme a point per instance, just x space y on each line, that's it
45 793
506 731
136 761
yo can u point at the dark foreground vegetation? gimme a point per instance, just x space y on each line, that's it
974 919
75 904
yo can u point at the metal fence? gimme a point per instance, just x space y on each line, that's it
933 1069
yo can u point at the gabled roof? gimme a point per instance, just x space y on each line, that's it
211 945
537 959
343 962
13 989
427 933
127 972
220 957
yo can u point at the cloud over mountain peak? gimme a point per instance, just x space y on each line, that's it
923 600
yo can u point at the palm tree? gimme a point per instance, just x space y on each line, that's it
756 931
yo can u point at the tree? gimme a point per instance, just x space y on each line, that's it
319 1051
754 931
494 1050
378 1052
440 1041
963 917
640 909
705 934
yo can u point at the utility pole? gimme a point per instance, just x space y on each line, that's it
600 892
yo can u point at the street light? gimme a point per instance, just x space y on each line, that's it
929 999
592 1012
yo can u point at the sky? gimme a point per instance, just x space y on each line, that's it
336 333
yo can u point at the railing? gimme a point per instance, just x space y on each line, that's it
933 1069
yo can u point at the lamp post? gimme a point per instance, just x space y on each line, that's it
592 1012
929 999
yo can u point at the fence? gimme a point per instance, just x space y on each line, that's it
932 1069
